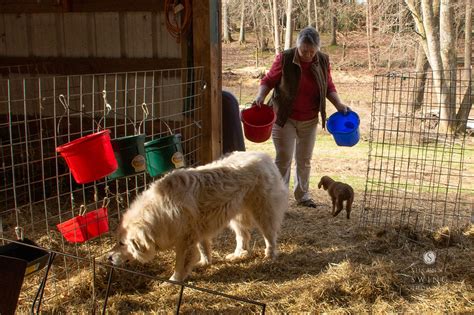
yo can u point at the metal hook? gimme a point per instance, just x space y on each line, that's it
145 115
62 100
145 109
107 190
19 233
82 210
106 202
108 108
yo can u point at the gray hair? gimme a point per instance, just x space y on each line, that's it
308 35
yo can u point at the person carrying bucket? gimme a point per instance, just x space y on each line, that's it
301 81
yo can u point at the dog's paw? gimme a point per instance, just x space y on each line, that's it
271 256
166 284
203 264
237 256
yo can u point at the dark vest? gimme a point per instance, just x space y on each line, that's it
285 91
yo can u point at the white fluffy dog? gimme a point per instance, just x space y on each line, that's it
187 207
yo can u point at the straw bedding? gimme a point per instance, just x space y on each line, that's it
325 264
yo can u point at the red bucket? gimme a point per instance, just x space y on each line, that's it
85 227
90 158
258 122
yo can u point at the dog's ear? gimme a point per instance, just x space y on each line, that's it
137 246
141 246
319 185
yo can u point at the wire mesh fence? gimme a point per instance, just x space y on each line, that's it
420 168
37 189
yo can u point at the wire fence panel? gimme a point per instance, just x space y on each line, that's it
38 113
420 168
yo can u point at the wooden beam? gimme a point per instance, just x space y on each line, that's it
207 53
66 66
45 6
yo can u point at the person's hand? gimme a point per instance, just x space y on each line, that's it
258 100
344 109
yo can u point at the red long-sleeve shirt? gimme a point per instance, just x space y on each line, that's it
308 90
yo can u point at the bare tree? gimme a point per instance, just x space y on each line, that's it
316 14
310 22
276 29
468 36
421 65
333 24
242 24
369 33
289 25
226 22
429 17
466 103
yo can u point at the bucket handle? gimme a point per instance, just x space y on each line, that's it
164 122
83 209
251 104
144 108
64 102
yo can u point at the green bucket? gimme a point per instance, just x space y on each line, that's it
130 154
164 154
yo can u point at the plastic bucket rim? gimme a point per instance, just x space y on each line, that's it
257 126
343 132
155 141
75 230
129 137
64 148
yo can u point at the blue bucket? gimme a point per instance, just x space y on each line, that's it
344 128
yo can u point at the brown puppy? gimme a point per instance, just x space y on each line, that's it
339 193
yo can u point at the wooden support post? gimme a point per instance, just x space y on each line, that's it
207 53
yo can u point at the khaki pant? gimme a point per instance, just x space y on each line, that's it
296 139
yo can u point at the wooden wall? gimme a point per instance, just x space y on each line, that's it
103 36
86 35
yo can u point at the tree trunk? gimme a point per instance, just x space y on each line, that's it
468 36
434 57
254 20
289 25
310 22
422 66
466 104
420 28
225 21
242 24
369 34
447 42
276 29
316 14
333 24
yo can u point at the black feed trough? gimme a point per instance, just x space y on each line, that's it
18 260
35 258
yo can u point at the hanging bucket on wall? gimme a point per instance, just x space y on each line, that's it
344 128
129 152
258 122
90 157
85 226
164 154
